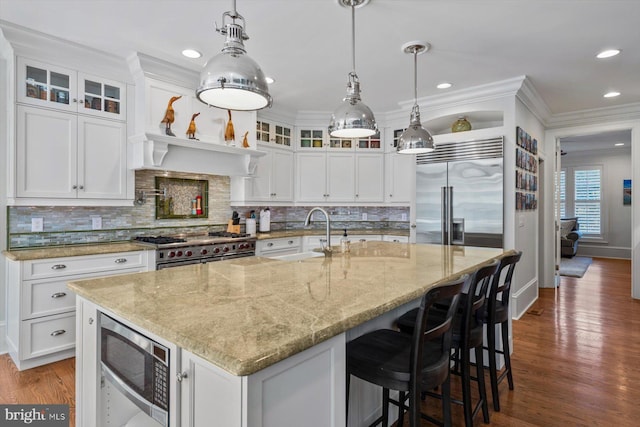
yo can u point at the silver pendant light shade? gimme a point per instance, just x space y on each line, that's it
231 80
415 139
353 118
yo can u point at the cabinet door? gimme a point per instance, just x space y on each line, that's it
312 177
261 179
208 395
400 178
282 176
87 363
45 85
101 97
369 177
46 153
341 177
102 164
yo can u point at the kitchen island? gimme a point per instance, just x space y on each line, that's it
271 333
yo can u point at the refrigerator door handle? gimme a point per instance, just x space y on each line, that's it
444 227
450 216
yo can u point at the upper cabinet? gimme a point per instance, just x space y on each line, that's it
275 133
314 139
50 86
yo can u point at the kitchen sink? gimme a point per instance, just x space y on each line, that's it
298 257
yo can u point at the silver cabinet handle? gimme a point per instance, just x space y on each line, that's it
59 295
120 261
58 332
75 99
75 187
269 244
413 226
91 320
81 187
58 267
290 242
181 376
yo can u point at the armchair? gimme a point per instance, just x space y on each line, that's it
570 234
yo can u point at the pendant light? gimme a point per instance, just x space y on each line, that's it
415 139
231 80
352 118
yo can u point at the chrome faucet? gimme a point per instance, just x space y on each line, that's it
326 248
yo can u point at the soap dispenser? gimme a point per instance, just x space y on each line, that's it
345 244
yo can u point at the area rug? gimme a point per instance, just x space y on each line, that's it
574 267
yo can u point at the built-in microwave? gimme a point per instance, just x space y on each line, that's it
136 366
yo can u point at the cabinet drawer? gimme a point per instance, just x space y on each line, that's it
278 245
59 267
48 335
46 298
396 239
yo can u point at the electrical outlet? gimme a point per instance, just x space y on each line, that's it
364 216
404 216
96 223
37 224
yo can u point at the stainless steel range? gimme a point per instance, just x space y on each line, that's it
174 251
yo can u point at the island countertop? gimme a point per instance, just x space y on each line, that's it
246 314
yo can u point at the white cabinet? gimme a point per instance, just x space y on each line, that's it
400 174
50 86
279 246
395 239
272 180
87 363
65 156
275 133
340 177
40 308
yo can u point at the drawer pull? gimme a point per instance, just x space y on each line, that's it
59 295
58 332
58 267
121 260
182 376
291 242
269 244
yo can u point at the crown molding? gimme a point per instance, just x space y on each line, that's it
143 65
594 116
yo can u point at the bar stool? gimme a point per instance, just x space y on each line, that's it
498 314
409 363
467 336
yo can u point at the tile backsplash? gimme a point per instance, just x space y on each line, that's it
72 225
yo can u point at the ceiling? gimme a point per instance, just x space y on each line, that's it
306 44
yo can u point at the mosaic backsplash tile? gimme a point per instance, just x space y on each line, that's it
72 225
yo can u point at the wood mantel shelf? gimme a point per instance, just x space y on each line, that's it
163 152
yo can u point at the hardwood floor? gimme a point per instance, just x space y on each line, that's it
575 364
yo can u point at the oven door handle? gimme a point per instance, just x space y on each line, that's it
147 407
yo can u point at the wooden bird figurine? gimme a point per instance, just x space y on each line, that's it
191 130
169 115
229 134
245 142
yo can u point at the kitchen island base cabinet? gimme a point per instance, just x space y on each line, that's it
305 389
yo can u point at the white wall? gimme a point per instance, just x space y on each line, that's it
616 166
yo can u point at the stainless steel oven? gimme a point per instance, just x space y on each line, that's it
135 376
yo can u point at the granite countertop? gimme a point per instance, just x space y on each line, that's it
246 314
72 250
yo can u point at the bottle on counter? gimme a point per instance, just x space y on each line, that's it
345 243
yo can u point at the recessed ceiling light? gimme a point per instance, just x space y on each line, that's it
270 80
191 53
444 85
619 144
611 94
608 53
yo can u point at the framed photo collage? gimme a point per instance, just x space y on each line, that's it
526 171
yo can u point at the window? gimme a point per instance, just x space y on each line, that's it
588 199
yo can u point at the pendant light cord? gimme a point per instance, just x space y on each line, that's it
353 36
234 12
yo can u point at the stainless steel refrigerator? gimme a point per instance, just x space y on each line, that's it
459 194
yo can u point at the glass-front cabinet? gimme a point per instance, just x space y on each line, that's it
311 138
275 133
46 85
314 139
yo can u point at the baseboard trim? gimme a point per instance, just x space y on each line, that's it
3 341
522 300
604 251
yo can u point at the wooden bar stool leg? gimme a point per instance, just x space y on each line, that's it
505 348
493 371
466 387
481 384
446 402
385 407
